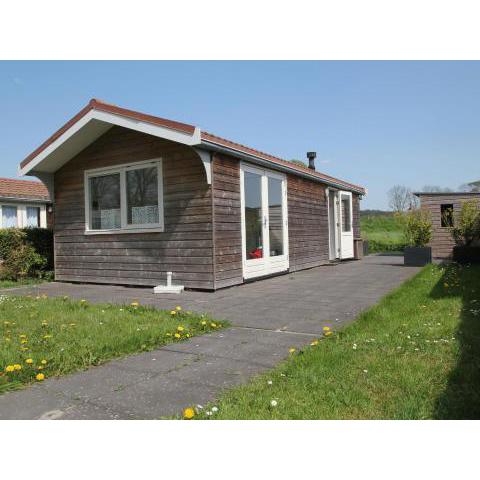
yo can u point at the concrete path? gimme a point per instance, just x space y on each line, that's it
267 317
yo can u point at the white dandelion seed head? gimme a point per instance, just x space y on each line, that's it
214 409
273 403
269 382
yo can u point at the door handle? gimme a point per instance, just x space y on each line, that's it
264 220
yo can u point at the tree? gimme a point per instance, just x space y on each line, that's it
401 198
436 188
470 187
298 162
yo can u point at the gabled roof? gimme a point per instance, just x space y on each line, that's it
23 190
97 117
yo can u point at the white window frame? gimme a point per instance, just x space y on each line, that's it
122 171
18 214
43 215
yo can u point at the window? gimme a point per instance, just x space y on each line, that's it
33 217
9 216
346 214
125 199
446 212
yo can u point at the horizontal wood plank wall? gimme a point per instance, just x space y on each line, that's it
442 243
186 245
307 223
356 215
227 232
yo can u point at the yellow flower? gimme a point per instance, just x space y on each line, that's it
23 336
39 367
72 324
6 323
43 362
203 322
83 300
134 304
23 341
29 361
177 335
213 325
292 350
24 349
328 333
17 366
9 368
178 308
445 285
180 328
188 413
173 312
44 324
326 329
40 377
47 336
315 342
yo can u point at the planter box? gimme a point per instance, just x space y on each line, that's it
466 254
417 256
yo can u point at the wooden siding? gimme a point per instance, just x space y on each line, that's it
186 245
307 223
356 215
442 242
227 233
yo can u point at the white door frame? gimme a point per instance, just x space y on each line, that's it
333 224
266 265
346 237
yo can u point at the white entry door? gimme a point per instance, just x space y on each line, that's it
264 222
346 228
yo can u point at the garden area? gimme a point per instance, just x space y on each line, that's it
41 337
383 231
415 355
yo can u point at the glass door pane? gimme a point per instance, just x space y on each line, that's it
253 216
275 215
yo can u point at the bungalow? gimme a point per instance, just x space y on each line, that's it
24 203
137 196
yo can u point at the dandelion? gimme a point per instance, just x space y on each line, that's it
178 308
17 366
47 336
214 409
269 382
327 334
29 361
354 346
314 343
134 304
40 377
23 341
365 371
180 328
273 403
43 362
23 335
209 413
9 368
188 413
72 324
177 335
292 350
173 312
326 328
203 322
213 325
83 300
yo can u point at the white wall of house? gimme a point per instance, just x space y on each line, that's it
21 215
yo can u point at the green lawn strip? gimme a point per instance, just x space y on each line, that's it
383 232
71 335
20 283
415 355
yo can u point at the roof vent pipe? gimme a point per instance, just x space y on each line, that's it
311 159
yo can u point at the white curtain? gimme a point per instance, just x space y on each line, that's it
33 216
9 216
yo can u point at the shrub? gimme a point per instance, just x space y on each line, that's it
41 239
11 239
22 262
466 228
417 227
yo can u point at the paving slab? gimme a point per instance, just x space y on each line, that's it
267 317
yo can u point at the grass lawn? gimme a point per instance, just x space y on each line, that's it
20 283
384 232
54 336
415 355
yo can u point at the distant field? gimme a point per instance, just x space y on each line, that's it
383 232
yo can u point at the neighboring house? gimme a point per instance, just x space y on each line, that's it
136 196
23 203
444 207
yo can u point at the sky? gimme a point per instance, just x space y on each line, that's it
376 124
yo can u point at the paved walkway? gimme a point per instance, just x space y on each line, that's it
267 318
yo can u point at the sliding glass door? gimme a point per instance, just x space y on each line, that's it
264 222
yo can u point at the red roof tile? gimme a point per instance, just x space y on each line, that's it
26 189
208 137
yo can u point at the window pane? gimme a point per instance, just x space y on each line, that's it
33 216
105 202
346 227
446 211
9 216
142 196
253 216
275 216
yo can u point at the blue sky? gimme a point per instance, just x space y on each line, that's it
373 123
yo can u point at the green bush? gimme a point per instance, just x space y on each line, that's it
25 252
466 228
417 227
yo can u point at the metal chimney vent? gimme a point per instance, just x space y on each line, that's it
311 159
